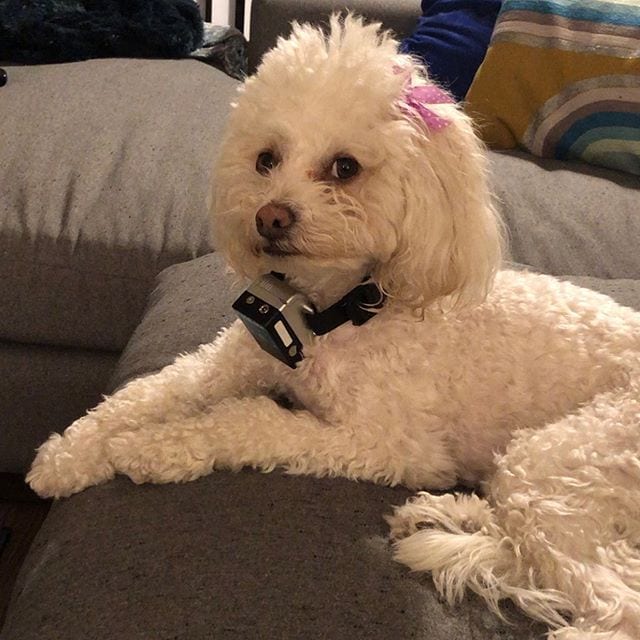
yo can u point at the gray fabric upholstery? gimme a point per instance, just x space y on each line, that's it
569 218
105 176
188 307
243 556
44 389
271 18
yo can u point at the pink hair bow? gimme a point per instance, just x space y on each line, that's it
417 97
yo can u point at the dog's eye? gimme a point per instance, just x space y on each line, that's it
266 162
344 168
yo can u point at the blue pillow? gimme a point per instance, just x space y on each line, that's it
452 37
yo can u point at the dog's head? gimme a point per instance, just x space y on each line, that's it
329 173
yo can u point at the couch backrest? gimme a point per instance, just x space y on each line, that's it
271 18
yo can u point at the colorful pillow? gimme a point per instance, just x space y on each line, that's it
452 37
561 79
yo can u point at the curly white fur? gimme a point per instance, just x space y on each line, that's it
516 382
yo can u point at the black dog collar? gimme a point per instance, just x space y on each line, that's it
283 321
357 306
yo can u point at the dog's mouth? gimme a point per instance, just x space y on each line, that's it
279 250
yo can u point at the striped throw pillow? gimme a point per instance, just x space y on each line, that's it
562 79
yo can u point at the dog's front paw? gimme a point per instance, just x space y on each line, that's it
61 469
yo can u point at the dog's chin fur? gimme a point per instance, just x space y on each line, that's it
322 280
517 381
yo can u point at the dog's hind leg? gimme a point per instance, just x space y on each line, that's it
607 608
560 532
457 539
77 459
568 499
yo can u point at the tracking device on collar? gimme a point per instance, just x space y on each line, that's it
284 321
274 313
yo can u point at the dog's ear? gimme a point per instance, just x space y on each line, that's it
450 240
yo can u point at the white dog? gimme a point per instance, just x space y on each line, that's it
340 165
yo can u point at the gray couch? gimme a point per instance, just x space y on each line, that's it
105 171
104 247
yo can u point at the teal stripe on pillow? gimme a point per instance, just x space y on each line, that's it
627 161
592 10
583 135
576 101
609 136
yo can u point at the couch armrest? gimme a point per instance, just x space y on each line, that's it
271 18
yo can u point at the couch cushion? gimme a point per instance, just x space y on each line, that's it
189 305
105 172
45 389
233 556
568 218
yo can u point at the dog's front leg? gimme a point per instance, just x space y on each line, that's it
230 366
254 432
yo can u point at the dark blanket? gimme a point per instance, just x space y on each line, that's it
41 31
224 48
452 37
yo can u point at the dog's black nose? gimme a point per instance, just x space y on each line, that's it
274 220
